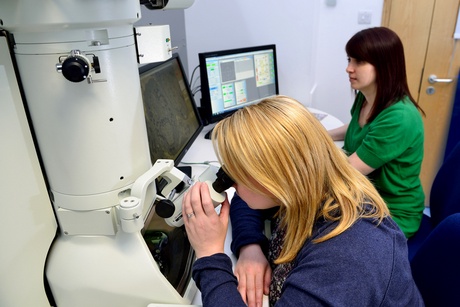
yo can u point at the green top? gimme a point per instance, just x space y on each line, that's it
392 144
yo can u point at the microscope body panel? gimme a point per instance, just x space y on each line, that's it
108 271
30 16
27 222
92 137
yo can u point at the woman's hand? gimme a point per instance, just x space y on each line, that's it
206 229
254 275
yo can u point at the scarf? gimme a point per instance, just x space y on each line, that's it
279 271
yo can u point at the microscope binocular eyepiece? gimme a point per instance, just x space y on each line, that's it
222 182
217 188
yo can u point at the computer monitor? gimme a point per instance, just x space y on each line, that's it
172 118
173 123
234 78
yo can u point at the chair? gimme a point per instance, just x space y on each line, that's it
444 199
436 265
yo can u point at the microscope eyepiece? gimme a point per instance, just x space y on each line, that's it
222 182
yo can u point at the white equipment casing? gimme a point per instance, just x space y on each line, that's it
27 223
93 144
153 43
178 4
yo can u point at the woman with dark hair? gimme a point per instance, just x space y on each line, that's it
384 139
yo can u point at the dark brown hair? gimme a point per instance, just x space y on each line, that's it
383 49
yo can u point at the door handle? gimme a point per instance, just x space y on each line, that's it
434 79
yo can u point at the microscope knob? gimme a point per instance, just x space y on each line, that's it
165 208
96 65
75 68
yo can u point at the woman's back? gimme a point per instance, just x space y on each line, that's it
367 265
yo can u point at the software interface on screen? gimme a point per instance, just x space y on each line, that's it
172 119
239 79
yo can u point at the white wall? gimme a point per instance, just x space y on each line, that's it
336 25
214 25
310 38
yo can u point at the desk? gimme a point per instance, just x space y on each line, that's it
201 153
329 122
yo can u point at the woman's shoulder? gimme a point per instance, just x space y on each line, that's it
404 105
367 237
403 112
369 257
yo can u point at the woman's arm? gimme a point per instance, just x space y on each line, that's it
338 134
247 226
214 278
250 244
359 164
254 275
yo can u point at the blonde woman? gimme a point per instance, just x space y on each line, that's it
333 242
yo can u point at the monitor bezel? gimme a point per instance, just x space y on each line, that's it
205 103
175 57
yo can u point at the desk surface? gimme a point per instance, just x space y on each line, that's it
201 154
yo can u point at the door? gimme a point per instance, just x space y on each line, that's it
426 28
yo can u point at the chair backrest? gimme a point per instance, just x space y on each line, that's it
445 191
436 266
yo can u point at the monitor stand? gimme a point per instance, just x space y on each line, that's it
208 134
186 170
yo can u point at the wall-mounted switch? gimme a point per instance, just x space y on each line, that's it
364 17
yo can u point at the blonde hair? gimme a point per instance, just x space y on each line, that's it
283 147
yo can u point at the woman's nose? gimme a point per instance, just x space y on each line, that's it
349 68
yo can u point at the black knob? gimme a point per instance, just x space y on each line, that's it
96 65
165 208
75 69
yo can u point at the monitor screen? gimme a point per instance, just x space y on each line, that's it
232 79
172 118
